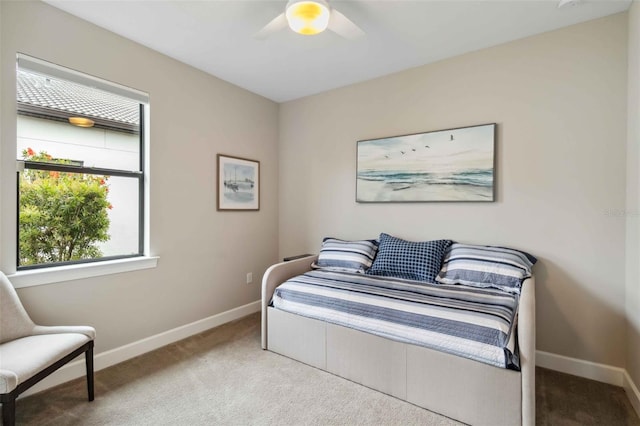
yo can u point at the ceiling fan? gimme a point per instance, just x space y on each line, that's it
310 17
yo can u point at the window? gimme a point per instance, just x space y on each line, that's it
81 162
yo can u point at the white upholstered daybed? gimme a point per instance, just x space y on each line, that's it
463 389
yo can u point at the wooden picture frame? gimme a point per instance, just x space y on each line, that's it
238 181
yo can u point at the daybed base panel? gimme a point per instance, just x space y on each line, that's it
466 390
456 387
367 359
300 338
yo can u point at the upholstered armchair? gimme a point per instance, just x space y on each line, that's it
30 352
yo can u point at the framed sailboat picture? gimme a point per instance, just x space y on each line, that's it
444 165
238 183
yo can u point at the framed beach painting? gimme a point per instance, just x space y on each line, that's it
444 165
238 183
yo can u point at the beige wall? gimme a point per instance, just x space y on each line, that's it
560 103
633 196
204 254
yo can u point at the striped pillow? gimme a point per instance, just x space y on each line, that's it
346 256
486 266
419 261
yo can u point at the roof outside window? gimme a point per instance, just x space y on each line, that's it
56 99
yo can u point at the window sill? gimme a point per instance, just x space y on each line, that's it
58 274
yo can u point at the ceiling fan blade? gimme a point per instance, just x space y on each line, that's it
278 23
341 25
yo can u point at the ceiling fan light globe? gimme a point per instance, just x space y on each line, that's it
308 17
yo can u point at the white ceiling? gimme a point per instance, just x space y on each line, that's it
217 36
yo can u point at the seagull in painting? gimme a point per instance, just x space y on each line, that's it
386 156
451 138
402 152
427 146
413 149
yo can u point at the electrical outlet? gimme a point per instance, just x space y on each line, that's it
249 277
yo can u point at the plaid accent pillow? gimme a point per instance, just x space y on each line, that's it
486 266
419 261
346 256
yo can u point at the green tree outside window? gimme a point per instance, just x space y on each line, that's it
62 215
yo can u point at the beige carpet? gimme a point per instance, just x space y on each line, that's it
223 377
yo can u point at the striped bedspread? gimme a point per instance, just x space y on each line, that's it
471 322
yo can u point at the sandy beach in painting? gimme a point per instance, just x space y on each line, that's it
379 191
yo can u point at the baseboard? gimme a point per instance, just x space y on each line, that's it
581 368
76 369
632 392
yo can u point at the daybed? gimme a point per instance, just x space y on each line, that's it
460 388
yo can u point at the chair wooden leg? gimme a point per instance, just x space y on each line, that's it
9 413
89 362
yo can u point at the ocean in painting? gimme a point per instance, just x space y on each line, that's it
390 185
239 192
